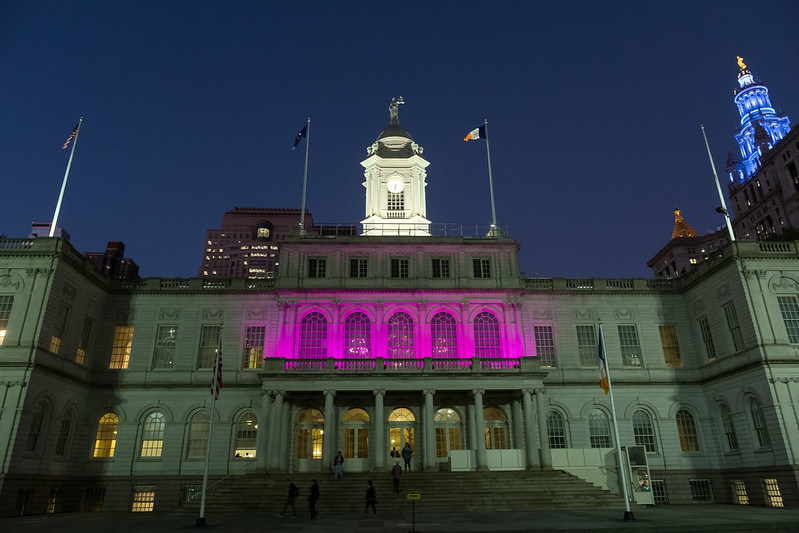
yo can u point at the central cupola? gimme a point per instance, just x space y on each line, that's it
394 173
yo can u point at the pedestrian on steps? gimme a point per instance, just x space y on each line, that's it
312 497
371 498
293 492
396 472
338 466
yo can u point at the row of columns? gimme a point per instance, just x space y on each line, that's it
274 429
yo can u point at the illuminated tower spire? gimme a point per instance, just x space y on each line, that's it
761 126
681 227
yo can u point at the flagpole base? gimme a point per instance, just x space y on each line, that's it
201 522
628 515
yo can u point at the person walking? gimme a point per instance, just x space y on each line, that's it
293 492
338 466
312 497
371 498
396 472
407 453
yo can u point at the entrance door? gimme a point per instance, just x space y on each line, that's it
448 433
402 429
356 441
310 432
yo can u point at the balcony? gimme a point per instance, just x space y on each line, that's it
380 365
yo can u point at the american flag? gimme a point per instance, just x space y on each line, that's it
216 383
71 136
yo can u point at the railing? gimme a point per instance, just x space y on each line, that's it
499 364
579 284
451 364
306 365
481 231
402 365
355 365
379 365
15 244
174 283
260 283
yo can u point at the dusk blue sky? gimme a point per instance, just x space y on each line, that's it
190 109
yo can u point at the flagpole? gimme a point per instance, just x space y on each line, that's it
209 441
66 175
718 187
628 515
305 176
490 183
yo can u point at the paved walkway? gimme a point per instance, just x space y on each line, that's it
671 518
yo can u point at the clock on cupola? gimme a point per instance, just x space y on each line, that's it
394 173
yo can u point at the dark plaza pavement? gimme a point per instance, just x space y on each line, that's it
682 518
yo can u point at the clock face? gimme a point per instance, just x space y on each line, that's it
395 185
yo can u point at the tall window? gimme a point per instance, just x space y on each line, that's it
60 327
106 439
310 434
143 499
164 353
35 431
686 429
209 344
486 335
671 346
253 351
790 315
83 342
556 430
120 350
198 435
586 345
317 267
598 429
357 335
545 345
495 429
246 435
759 422
400 336
358 267
396 201
628 342
481 267
707 339
729 428
448 433
440 267
735 326
399 267
63 435
356 436
644 431
444 335
152 435
5 313
313 336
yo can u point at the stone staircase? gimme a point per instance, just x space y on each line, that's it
523 490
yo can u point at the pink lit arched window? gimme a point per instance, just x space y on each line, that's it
444 335
400 336
357 336
313 336
486 335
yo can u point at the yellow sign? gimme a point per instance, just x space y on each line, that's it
414 495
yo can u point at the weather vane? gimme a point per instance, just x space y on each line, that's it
741 63
393 109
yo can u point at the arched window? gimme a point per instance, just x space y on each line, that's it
448 431
106 439
35 431
310 431
486 335
759 422
556 430
246 435
686 429
152 435
400 336
356 434
356 415
495 428
402 428
401 415
313 336
198 435
729 428
598 429
644 430
444 335
357 336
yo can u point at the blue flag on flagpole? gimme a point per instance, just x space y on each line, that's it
300 136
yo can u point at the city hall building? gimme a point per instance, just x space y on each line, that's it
363 341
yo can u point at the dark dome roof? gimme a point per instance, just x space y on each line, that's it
394 130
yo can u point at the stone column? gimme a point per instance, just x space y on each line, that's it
274 432
429 431
533 457
285 438
518 424
543 438
482 460
329 438
262 444
380 432
470 428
